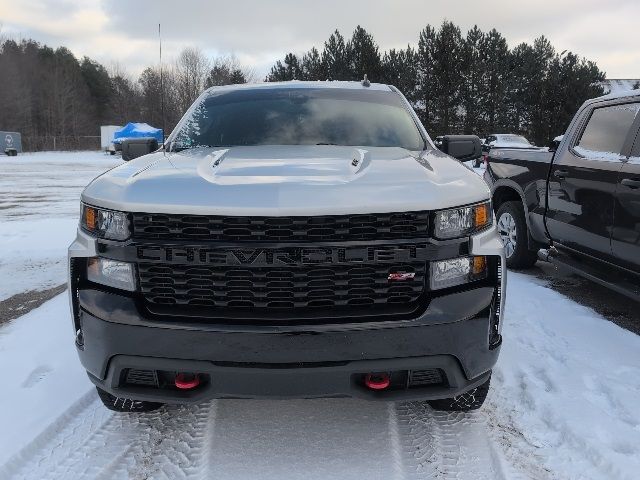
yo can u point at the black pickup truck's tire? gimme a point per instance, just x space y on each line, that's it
465 402
512 227
119 404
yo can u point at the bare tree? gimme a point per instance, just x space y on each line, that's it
191 70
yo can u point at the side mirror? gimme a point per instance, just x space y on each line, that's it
462 147
137 147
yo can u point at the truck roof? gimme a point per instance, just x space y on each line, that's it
621 94
305 84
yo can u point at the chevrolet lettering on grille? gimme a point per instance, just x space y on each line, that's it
280 256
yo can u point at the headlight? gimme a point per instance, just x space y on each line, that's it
107 224
456 271
111 273
462 221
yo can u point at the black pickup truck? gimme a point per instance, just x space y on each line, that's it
578 206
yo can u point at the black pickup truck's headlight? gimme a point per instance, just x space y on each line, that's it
107 224
462 221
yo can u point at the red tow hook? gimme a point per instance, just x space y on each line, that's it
377 381
187 381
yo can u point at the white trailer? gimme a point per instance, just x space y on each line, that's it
106 138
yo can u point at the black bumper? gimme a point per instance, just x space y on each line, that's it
287 361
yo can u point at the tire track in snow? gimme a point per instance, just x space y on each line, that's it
95 443
325 438
447 445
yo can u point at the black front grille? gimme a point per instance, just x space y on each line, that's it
379 226
282 288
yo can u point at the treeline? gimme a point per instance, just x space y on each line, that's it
57 101
471 84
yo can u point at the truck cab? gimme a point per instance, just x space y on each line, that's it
583 200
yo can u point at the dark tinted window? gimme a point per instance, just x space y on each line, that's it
607 129
304 116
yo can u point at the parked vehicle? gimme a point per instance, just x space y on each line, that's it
293 240
107 133
504 140
10 143
581 203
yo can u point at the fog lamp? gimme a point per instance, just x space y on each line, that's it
111 273
457 271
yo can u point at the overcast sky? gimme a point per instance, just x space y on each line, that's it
258 32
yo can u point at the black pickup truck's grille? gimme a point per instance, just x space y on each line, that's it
378 226
282 287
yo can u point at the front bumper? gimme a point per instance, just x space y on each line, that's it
301 361
270 362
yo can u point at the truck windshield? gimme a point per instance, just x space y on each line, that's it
300 116
513 139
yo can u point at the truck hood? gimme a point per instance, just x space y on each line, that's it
287 180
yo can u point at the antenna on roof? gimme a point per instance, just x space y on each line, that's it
161 91
365 81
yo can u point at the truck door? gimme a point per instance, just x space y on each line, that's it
625 240
584 178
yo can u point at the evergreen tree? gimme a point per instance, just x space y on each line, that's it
400 69
535 77
312 67
364 57
472 91
224 73
288 70
99 85
335 58
495 56
426 79
571 80
237 76
448 81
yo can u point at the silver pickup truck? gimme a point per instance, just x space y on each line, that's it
290 240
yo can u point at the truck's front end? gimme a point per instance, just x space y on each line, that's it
296 241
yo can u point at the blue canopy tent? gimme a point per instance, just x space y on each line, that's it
137 130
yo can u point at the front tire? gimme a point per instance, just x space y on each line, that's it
465 402
512 227
119 404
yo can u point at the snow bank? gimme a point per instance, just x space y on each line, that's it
41 374
567 385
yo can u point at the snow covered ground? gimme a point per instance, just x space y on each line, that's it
563 404
39 208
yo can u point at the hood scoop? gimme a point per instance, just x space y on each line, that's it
309 165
